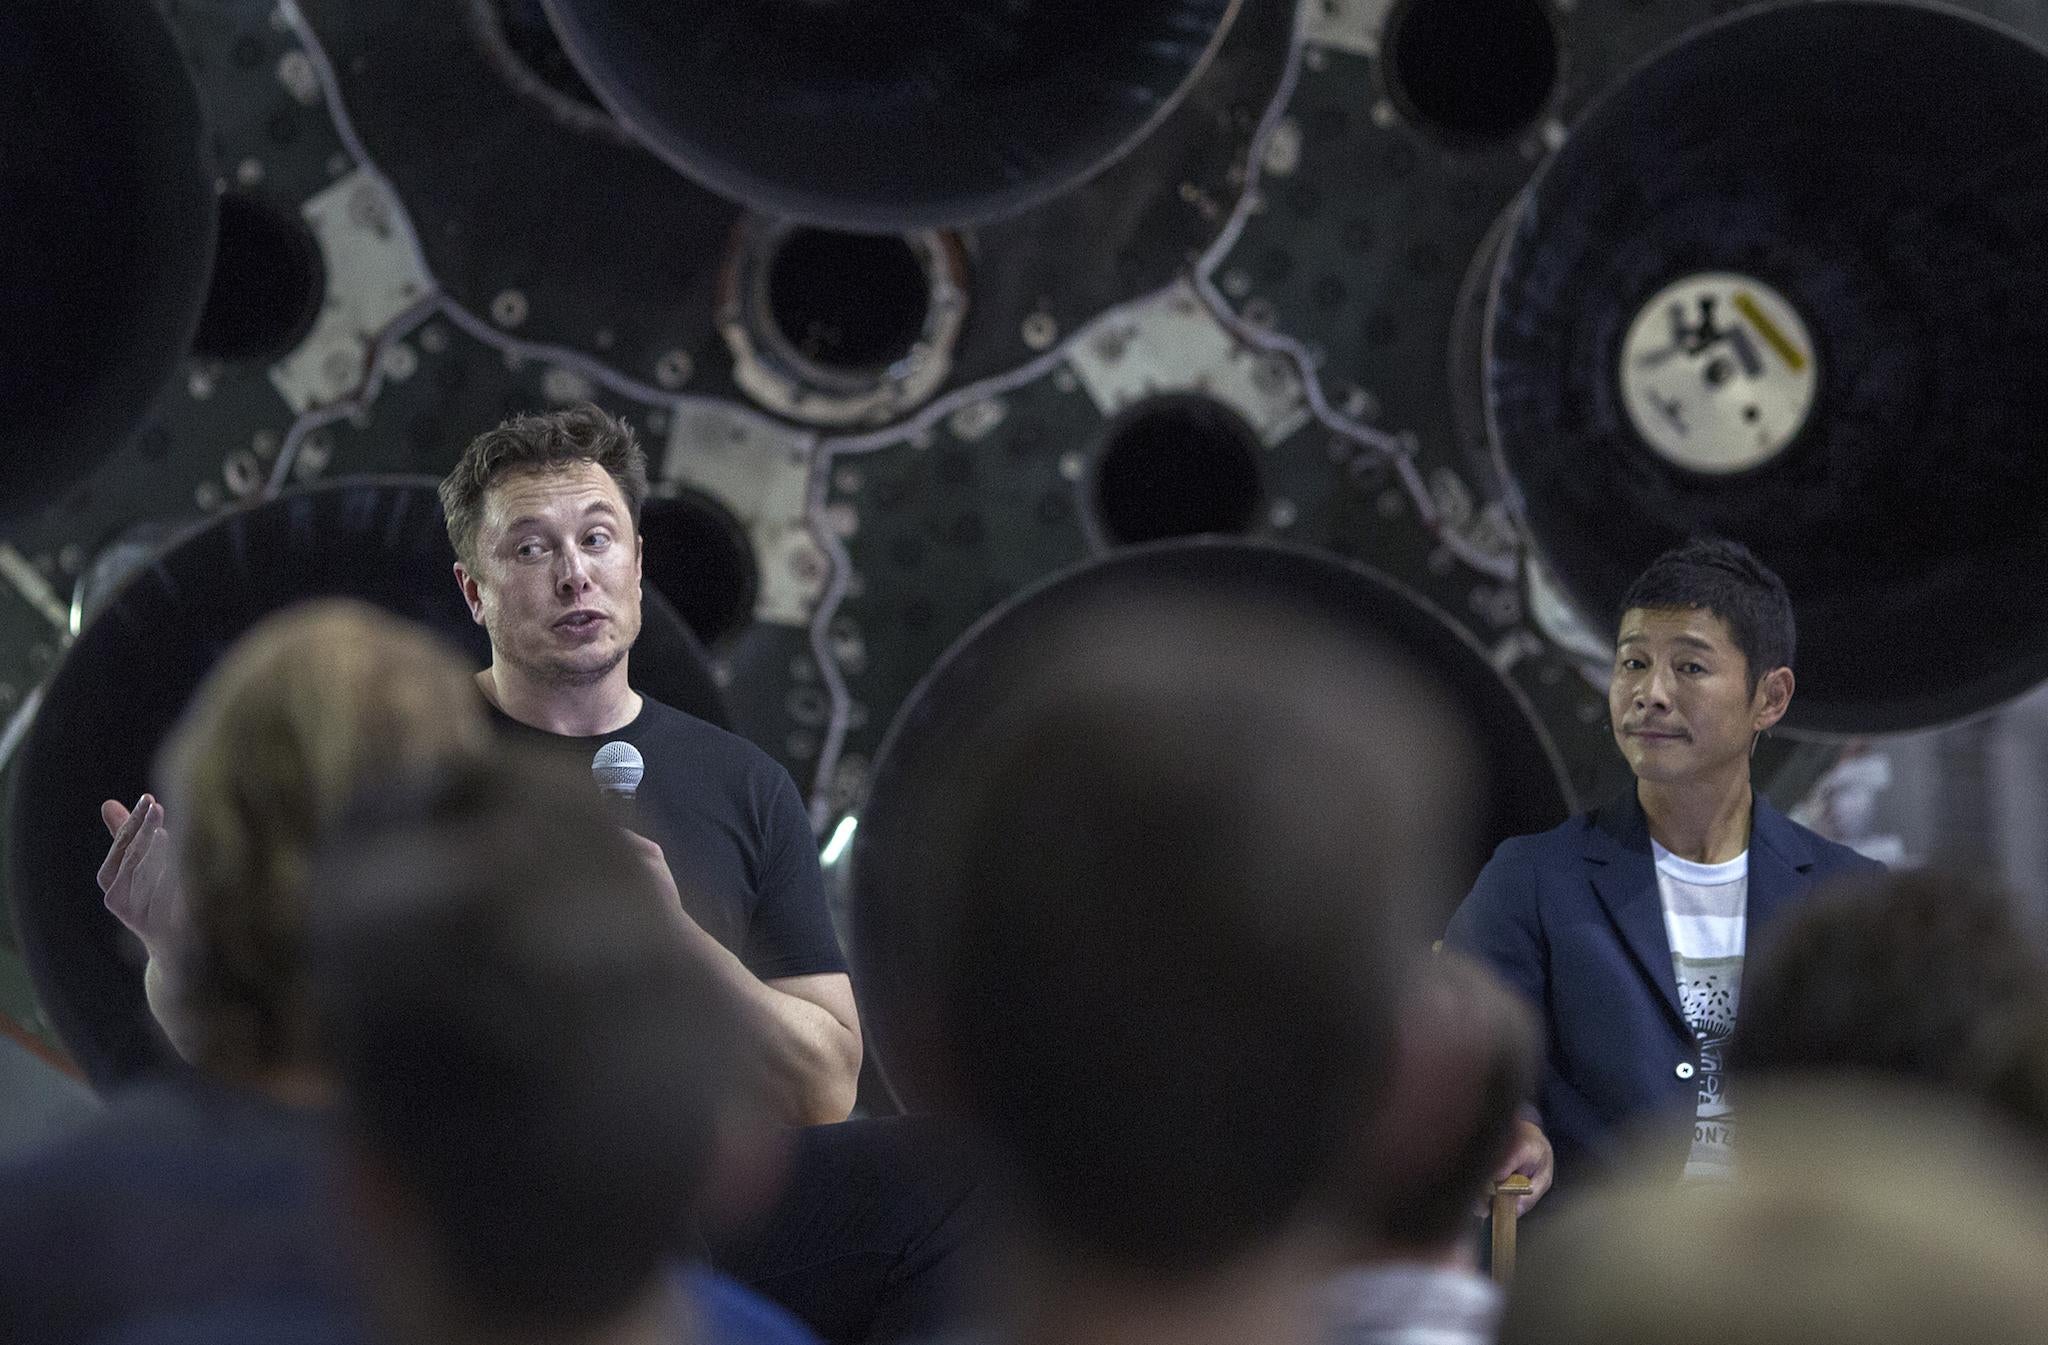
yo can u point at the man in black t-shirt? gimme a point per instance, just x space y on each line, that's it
543 513
734 833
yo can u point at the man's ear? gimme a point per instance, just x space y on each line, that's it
1773 695
470 593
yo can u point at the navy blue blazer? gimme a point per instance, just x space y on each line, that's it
1571 918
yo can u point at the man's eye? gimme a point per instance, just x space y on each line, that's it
1693 668
599 538
528 550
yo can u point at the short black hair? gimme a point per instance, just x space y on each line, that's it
1723 578
522 1036
540 442
1933 977
1164 880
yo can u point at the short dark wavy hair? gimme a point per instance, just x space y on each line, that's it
1722 577
541 442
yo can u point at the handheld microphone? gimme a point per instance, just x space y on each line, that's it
617 768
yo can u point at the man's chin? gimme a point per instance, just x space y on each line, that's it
582 668
1657 768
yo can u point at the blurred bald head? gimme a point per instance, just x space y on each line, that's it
1468 1055
1167 884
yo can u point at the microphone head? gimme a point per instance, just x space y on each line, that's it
618 768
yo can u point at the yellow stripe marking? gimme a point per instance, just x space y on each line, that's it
1746 304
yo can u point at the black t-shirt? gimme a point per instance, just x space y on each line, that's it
735 833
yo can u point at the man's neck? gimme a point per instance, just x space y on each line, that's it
1706 822
604 706
1267 1297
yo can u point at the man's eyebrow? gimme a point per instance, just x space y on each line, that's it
529 520
1689 641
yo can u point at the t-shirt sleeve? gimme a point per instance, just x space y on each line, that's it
791 931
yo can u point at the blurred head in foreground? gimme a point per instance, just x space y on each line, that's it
533 1063
1937 978
1467 1060
1169 881
1864 1215
306 709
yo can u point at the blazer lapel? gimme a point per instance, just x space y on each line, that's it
1617 855
1780 863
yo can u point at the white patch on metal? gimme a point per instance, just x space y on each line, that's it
1283 149
565 386
1512 649
400 362
976 419
1343 25
295 71
1040 330
28 581
761 472
1561 622
18 724
1173 343
374 274
1718 372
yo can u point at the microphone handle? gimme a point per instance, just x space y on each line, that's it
623 807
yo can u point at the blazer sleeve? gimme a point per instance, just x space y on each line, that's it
1498 923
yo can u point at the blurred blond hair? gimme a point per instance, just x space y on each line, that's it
1861 1212
310 707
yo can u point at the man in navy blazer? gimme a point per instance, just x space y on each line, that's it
1626 928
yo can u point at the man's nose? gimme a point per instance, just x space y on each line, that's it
1653 689
573 576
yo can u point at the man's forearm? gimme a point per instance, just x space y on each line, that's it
809 1061
164 1005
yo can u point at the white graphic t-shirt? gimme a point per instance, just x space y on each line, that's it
1706 907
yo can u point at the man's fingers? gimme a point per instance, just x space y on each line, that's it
150 842
149 869
1522 1160
130 826
126 825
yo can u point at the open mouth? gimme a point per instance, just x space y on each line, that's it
579 621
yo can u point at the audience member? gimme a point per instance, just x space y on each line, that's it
1855 1216
1166 884
536 1068
1932 977
200 1189
1467 1059
200 1206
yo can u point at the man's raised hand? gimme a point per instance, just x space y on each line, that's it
141 889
